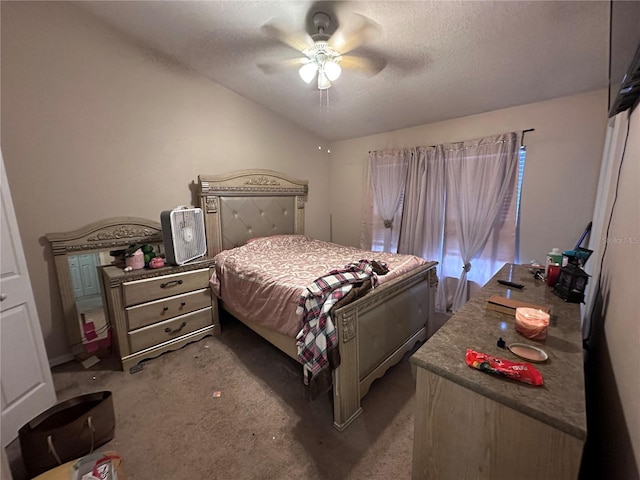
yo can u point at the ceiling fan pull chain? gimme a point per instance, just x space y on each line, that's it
324 102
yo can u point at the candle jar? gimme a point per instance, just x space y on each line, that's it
532 323
135 260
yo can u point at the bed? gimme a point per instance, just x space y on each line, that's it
261 208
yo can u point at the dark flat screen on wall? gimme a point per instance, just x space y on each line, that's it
624 45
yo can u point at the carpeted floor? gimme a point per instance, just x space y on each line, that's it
170 426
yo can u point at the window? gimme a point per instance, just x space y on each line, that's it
460 207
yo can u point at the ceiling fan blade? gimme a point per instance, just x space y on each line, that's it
355 31
295 39
370 66
281 65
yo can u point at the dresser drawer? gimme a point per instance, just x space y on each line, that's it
166 308
157 333
151 289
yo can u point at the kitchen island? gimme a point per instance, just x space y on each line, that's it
471 424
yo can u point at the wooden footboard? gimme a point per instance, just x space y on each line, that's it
375 332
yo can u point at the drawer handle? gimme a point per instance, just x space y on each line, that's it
164 309
171 283
175 330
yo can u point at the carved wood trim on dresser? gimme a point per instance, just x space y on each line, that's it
155 311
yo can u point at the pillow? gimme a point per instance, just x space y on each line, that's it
277 237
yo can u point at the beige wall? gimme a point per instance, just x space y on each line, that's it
95 127
561 173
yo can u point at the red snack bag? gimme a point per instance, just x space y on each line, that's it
521 372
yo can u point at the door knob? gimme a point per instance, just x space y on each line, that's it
3 296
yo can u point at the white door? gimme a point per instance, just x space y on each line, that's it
84 274
27 387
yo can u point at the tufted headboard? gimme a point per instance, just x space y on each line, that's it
245 204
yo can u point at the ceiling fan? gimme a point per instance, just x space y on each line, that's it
324 55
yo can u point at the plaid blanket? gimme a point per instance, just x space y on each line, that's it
317 340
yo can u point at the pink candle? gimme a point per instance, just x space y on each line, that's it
532 323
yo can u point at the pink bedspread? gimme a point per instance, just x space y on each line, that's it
263 280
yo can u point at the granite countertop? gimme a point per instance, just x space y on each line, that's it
560 402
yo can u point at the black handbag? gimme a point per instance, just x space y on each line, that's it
66 431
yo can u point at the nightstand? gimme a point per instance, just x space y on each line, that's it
153 311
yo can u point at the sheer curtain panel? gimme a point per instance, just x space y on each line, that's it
388 176
481 175
422 227
457 205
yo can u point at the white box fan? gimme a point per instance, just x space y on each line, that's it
183 234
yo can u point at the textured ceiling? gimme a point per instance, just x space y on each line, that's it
444 59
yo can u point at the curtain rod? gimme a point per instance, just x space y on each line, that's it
521 138
523 132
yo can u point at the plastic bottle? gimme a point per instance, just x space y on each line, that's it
553 257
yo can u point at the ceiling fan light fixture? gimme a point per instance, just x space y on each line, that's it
332 69
324 51
308 71
323 81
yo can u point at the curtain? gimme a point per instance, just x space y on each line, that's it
458 208
422 227
479 177
387 171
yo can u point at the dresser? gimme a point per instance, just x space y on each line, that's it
153 311
470 424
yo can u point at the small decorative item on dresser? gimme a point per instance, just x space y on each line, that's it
135 260
156 262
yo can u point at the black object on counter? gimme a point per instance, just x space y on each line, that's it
571 284
510 284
